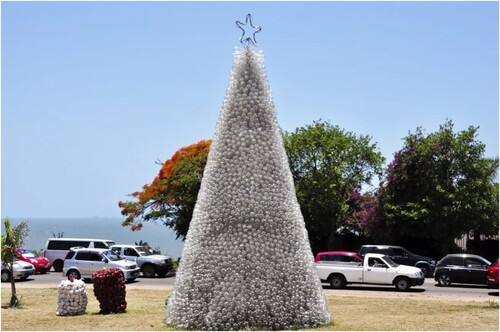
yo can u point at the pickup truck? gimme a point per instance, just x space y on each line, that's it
377 269
149 263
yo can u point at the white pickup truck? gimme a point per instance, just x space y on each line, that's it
376 269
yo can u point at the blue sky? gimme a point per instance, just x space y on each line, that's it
94 93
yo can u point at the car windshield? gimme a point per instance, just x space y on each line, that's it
27 253
143 251
390 261
112 256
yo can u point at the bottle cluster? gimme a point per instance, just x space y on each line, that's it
109 289
247 260
71 298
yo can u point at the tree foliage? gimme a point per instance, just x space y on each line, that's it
329 166
171 196
440 186
13 238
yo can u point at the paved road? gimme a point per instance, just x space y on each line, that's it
429 290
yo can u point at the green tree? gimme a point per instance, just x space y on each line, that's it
13 238
439 187
329 167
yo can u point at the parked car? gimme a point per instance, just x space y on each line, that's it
402 256
149 263
56 249
376 269
82 263
462 269
41 264
22 270
492 277
338 256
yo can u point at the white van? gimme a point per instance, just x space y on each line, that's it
57 248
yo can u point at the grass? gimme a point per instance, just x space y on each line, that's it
146 311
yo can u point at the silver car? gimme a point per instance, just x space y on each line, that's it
22 270
82 263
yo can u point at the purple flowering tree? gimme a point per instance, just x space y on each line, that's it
440 186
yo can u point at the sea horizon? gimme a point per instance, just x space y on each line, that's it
155 234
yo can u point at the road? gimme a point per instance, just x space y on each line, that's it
429 290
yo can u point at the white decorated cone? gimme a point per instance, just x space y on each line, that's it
247 259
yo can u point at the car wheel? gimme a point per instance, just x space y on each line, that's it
5 275
58 265
425 270
337 281
444 280
73 274
402 284
148 271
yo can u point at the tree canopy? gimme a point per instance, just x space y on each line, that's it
329 166
440 186
171 196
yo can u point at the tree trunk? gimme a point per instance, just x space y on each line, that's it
13 298
331 239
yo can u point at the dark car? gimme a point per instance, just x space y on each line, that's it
493 275
338 256
401 256
461 269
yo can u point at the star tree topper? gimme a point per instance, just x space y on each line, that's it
248 31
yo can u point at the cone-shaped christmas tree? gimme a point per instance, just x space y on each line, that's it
247 260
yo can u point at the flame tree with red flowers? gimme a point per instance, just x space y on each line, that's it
171 197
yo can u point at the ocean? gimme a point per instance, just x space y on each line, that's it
156 235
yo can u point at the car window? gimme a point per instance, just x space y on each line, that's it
112 256
457 261
67 244
96 257
350 259
130 252
109 243
27 253
475 262
366 250
118 250
399 252
84 256
376 262
70 255
100 245
390 262
143 251
377 250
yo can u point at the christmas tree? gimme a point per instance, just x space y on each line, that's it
247 260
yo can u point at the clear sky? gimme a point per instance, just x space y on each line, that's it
94 93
